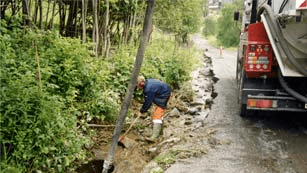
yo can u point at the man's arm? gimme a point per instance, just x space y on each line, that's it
149 97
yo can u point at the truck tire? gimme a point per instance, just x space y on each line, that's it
242 107
243 112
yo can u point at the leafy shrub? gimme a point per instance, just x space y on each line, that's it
173 64
47 82
38 127
210 26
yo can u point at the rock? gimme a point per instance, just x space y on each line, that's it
129 143
208 99
156 170
198 125
198 102
206 85
174 113
213 142
151 167
192 111
124 166
171 140
99 154
206 72
152 149
88 146
188 122
188 118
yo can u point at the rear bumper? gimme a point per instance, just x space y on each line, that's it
281 100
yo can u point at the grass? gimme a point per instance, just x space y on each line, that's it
166 158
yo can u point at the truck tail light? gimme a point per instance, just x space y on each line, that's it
258 57
260 103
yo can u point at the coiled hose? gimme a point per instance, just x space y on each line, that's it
289 90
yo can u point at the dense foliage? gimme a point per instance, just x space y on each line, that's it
210 25
180 17
51 85
41 78
223 26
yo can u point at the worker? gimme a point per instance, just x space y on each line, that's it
156 92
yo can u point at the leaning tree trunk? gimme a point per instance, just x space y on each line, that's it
137 66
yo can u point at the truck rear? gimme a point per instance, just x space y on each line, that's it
272 57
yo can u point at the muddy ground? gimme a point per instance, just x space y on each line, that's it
184 130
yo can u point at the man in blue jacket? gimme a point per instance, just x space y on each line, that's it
156 92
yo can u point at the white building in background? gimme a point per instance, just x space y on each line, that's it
215 5
228 1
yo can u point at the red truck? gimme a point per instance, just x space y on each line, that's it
272 57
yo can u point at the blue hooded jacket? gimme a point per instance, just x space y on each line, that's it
157 92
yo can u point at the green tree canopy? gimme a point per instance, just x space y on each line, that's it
180 17
228 31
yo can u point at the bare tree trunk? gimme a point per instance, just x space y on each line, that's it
83 23
41 14
70 21
3 6
26 12
95 28
76 34
53 13
13 7
35 13
47 15
106 31
137 66
62 11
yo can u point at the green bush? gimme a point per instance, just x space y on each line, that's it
210 26
228 33
173 64
48 83
38 127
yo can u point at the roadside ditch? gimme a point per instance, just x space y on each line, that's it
184 130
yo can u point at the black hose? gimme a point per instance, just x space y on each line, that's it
254 12
270 2
283 6
289 90
274 27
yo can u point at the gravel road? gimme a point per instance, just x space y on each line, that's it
268 143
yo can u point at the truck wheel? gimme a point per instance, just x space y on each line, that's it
243 112
239 69
242 107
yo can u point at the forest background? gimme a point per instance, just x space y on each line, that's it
67 63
